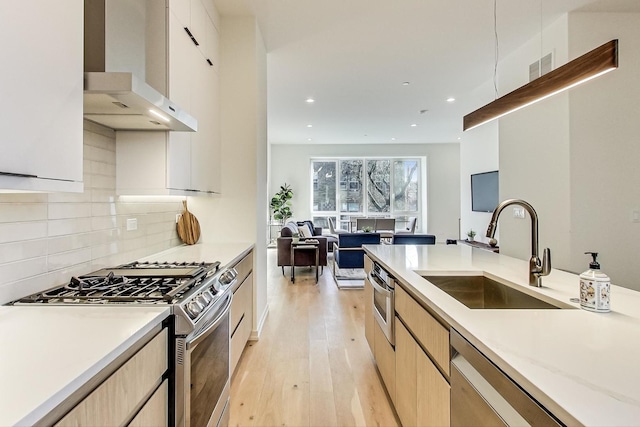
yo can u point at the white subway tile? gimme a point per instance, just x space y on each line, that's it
69 242
102 196
99 154
69 210
103 182
22 212
104 250
61 227
10 272
20 231
66 259
102 168
23 198
103 222
83 197
103 209
16 251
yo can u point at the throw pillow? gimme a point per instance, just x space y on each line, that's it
305 231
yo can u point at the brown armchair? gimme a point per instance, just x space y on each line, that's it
303 258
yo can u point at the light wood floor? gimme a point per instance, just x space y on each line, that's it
312 365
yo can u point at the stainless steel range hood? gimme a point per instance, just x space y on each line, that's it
121 101
125 67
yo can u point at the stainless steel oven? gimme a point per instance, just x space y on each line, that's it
384 301
203 370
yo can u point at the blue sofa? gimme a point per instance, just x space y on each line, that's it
348 252
414 239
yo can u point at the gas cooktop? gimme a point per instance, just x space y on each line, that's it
137 282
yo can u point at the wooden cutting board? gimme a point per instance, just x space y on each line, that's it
188 226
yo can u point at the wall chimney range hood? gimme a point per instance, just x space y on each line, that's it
121 101
125 64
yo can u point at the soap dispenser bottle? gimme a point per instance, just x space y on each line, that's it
595 288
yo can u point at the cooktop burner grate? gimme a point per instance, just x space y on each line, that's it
136 282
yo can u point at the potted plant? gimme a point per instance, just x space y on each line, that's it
295 237
367 229
281 203
471 234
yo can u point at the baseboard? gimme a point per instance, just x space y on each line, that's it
255 334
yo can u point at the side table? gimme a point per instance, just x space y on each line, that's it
303 245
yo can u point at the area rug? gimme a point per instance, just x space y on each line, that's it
348 278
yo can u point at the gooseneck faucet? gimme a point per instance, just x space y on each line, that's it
537 269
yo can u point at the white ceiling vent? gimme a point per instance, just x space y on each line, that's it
541 67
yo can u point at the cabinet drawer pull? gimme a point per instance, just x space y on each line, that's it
209 62
193 39
19 175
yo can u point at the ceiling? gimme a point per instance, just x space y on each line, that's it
353 56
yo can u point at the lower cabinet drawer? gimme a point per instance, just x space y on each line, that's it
241 319
431 334
386 360
114 401
155 412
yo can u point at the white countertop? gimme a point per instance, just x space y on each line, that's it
577 363
47 352
226 253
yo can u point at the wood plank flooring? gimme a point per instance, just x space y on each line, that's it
312 365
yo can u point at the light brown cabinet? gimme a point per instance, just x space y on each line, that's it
125 394
242 309
369 321
422 361
406 371
386 360
431 334
155 412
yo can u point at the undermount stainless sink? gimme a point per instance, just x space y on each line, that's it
481 292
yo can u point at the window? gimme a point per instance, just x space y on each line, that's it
350 187
324 179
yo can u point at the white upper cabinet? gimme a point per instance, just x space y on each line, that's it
41 90
189 161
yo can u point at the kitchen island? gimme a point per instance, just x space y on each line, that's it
581 366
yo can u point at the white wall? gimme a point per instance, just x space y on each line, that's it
574 156
290 164
47 238
238 214
478 153
605 177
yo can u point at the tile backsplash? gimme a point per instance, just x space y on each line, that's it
47 238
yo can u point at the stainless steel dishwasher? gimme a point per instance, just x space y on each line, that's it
482 395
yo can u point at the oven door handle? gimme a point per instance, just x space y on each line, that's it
374 283
195 340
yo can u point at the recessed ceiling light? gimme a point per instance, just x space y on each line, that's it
451 99
309 139
310 100
413 125
405 83
309 125
393 139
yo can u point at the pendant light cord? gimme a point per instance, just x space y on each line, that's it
496 48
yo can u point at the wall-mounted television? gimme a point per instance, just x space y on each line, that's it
484 191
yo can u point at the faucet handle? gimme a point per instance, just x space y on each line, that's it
546 262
